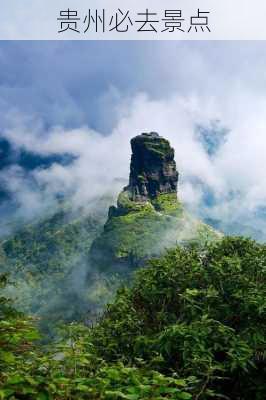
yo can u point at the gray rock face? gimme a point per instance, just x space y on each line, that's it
152 169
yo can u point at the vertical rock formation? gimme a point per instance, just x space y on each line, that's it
152 168
148 217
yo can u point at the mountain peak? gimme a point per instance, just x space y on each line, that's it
149 217
153 168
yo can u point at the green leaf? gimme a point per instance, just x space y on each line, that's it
15 379
43 396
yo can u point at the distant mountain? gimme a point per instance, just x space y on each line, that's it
29 161
26 159
48 263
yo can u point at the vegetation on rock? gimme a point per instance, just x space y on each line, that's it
136 231
149 216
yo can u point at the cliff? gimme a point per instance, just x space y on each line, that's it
149 217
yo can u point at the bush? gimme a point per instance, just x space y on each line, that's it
191 326
196 312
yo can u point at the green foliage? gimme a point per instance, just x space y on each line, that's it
137 231
43 259
168 203
191 326
70 369
197 312
126 205
48 245
17 352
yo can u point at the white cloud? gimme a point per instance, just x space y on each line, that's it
201 92
238 166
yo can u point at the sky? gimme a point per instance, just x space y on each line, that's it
69 109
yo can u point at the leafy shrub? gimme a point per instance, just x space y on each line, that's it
70 369
196 312
191 326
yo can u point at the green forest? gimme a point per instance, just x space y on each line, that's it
191 325
150 303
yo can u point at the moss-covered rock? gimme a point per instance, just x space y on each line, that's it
149 217
136 231
168 203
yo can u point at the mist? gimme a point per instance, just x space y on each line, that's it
226 184
76 124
